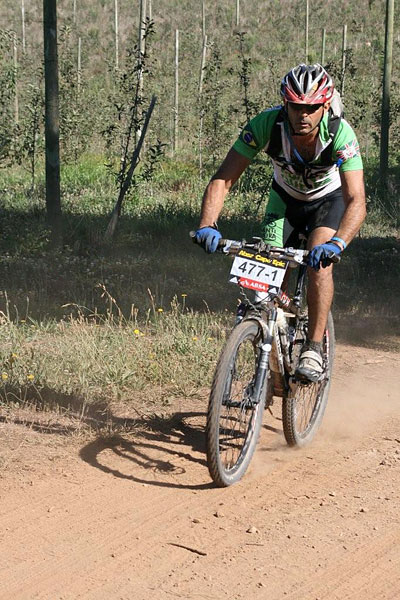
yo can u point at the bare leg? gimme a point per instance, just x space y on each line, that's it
320 289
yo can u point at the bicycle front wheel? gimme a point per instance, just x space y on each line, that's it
303 410
234 419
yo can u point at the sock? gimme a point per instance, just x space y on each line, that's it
316 346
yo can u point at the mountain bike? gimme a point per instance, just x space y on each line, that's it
258 362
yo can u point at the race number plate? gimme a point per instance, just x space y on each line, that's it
258 272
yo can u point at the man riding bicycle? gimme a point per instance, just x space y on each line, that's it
317 188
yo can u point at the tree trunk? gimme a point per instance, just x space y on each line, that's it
306 30
344 48
128 179
323 47
176 109
15 55
142 50
23 26
203 64
387 77
116 34
79 65
53 203
142 42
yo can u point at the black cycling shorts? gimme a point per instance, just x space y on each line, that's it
286 217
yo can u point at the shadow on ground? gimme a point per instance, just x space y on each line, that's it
158 455
153 449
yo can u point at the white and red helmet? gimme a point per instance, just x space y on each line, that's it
307 84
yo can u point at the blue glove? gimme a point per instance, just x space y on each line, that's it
319 255
208 238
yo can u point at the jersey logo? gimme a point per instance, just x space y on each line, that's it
248 138
349 150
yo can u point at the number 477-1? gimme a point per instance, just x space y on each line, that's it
256 270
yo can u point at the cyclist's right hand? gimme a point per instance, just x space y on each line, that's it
208 238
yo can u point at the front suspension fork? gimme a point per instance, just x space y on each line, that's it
263 361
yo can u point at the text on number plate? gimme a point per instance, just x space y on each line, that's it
257 272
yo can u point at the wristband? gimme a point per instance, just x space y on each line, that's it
338 239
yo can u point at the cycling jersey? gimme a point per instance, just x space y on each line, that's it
305 181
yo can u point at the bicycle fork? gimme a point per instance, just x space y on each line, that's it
268 332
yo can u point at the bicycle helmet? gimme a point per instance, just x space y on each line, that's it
307 84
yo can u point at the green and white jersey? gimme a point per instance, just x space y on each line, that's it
313 180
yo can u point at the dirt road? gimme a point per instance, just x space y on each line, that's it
135 516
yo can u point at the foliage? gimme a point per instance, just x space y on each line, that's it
31 126
216 124
257 178
250 108
269 41
75 126
126 111
8 125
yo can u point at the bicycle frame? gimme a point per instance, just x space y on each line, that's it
273 353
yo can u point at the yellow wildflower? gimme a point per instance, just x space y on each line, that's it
160 310
30 377
136 331
4 376
184 295
194 338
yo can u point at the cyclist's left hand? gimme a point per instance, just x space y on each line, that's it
320 255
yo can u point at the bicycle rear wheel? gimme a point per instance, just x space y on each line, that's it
303 410
233 419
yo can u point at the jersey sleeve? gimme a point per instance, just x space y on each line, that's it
256 134
346 148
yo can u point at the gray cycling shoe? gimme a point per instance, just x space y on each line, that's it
311 366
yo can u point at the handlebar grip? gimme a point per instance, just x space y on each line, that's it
221 242
334 258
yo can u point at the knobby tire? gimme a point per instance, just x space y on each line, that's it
302 412
234 423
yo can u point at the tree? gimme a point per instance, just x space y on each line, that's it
52 136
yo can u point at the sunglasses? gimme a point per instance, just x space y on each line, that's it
308 108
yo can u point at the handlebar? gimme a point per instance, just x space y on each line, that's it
293 255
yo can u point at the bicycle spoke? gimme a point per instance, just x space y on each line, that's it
307 397
237 410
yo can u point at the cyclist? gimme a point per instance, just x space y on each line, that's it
318 187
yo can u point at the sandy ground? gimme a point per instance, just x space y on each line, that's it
134 516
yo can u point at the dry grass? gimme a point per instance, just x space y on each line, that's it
97 360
